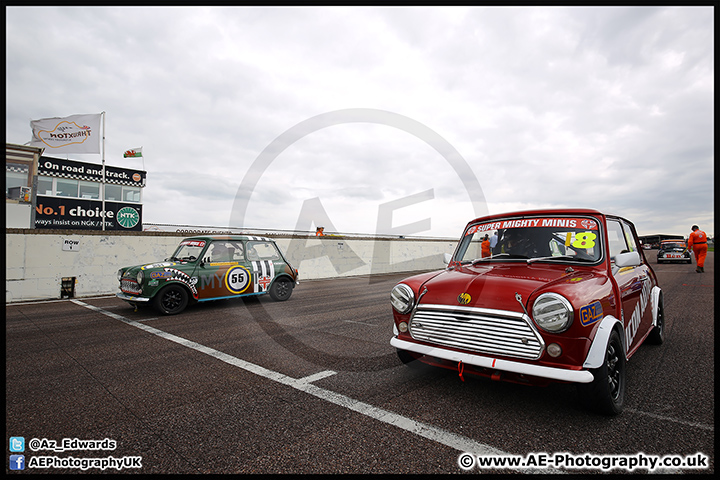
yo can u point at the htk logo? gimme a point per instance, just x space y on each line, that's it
17 462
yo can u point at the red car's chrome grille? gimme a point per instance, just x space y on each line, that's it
130 286
491 332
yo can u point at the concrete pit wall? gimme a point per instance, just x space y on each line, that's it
44 265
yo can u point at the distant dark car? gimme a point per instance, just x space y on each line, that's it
673 251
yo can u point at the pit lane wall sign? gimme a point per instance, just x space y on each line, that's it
82 214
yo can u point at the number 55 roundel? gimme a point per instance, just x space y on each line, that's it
237 279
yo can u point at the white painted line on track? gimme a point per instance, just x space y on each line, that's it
317 376
360 323
458 442
701 426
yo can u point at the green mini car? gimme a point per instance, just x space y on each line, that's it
210 268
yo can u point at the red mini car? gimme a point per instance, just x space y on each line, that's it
563 296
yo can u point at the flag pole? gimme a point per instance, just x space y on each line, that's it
102 217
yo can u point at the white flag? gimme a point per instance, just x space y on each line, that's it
73 134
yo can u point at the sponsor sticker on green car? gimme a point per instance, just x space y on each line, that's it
206 268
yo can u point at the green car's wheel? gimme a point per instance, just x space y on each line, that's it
281 290
171 300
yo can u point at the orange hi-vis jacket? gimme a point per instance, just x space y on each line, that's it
698 243
485 248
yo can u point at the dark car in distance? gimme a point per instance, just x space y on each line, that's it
673 251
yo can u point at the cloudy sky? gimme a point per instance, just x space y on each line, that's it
383 120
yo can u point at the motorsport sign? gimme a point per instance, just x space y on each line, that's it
87 214
91 172
83 214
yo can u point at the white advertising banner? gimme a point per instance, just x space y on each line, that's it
73 134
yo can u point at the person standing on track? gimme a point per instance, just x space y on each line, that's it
697 242
493 243
485 247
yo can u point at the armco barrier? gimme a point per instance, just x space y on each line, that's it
45 264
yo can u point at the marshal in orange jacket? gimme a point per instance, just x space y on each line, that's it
697 242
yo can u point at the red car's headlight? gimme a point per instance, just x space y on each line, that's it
402 298
552 312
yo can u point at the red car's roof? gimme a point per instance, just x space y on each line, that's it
554 211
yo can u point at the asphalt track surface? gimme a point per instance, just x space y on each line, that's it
312 385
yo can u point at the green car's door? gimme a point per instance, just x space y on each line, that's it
223 273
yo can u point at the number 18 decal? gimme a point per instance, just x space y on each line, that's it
582 240
237 279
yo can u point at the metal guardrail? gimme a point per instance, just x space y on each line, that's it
208 230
